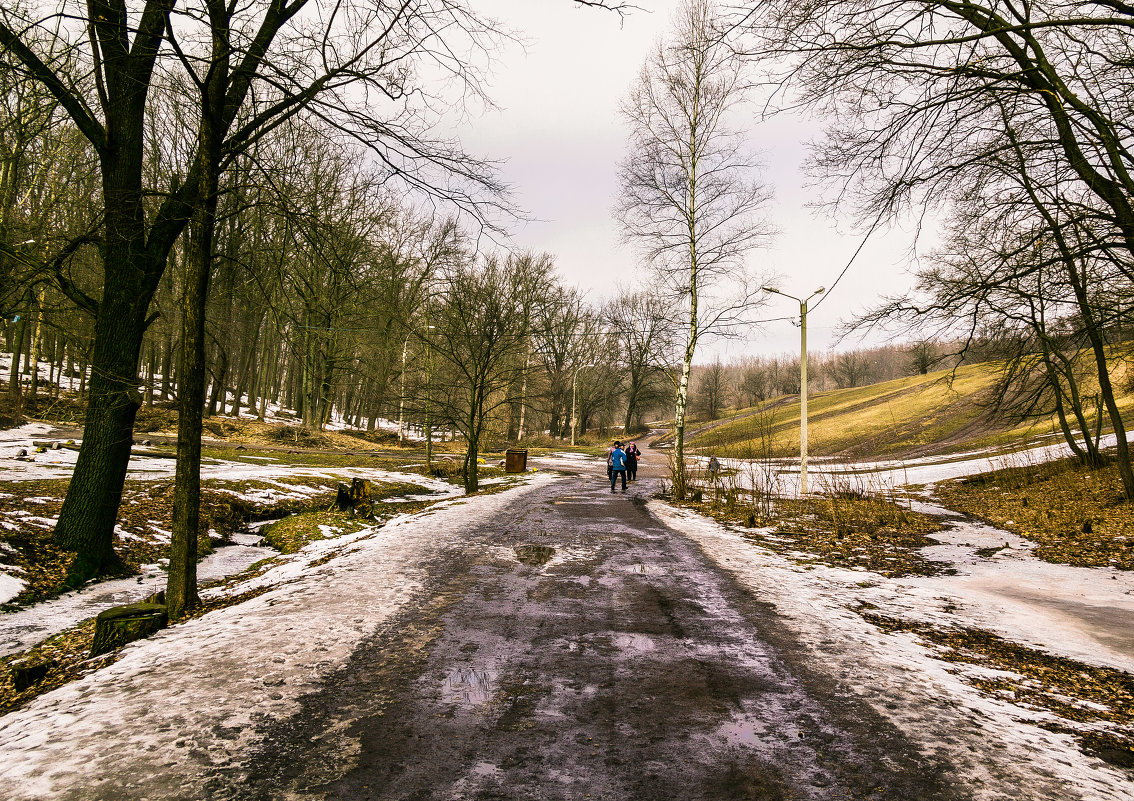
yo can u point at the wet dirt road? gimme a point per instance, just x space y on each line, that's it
574 648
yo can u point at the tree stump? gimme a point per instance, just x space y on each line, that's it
355 498
27 672
120 625
360 497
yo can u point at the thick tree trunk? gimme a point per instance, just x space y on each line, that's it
90 510
181 584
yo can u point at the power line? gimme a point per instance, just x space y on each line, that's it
861 245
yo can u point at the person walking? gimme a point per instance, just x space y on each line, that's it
617 466
631 462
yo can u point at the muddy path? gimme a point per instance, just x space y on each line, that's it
573 647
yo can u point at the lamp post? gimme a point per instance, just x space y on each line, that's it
802 380
574 417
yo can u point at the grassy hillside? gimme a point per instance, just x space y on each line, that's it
942 412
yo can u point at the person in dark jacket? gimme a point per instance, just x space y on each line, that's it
617 466
631 462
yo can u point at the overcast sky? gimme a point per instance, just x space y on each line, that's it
559 131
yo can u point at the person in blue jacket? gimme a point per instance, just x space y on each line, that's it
617 466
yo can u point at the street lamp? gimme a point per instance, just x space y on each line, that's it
574 417
802 380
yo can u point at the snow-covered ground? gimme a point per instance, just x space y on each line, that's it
25 628
890 473
61 463
1015 595
200 686
276 483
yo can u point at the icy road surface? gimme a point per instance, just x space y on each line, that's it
550 642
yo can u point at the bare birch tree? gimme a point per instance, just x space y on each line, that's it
688 197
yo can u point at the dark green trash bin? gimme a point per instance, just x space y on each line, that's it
516 460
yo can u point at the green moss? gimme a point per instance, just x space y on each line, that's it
292 533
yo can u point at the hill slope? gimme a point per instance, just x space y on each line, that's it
944 411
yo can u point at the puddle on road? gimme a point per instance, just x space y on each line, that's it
485 770
470 686
535 555
748 732
644 570
633 642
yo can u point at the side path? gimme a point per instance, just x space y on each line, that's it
572 648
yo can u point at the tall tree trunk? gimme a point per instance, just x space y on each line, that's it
17 354
37 336
151 369
181 586
90 509
679 480
220 377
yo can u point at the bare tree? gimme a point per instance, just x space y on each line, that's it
648 337
849 369
252 68
940 99
688 200
479 348
712 387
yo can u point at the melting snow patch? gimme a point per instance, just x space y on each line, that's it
295 635
10 586
990 741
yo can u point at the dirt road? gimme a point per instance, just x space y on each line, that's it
555 641
572 647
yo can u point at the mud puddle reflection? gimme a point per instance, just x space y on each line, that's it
534 555
470 687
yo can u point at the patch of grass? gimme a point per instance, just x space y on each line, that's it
842 531
294 457
161 416
1096 703
292 533
1077 515
942 412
